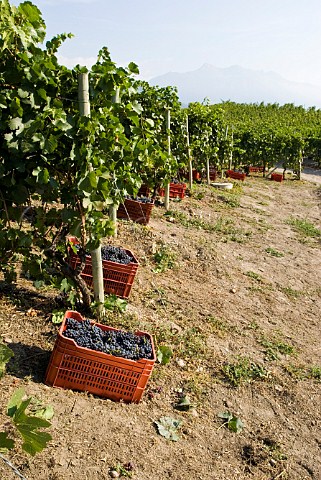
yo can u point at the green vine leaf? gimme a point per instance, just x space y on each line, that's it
231 422
168 427
5 442
164 354
5 354
29 426
184 404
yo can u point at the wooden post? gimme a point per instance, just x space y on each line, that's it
208 171
114 207
207 165
168 128
300 165
97 268
231 152
190 166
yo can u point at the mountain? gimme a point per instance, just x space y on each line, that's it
239 85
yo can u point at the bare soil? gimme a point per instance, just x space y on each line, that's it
245 285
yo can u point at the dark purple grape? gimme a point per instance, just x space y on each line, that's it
117 343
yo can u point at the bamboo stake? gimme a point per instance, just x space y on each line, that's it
168 127
114 207
231 153
300 161
223 160
97 268
208 171
207 165
190 166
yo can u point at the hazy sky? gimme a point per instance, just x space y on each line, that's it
181 35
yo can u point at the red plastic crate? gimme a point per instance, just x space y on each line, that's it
277 177
118 278
196 175
256 169
99 373
176 190
213 173
235 175
135 210
144 191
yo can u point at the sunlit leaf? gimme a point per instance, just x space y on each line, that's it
164 354
5 354
168 427
184 404
232 423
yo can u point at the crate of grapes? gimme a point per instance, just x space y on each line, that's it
137 210
119 269
101 360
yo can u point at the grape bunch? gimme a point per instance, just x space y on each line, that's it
176 181
115 254
141 199
117 343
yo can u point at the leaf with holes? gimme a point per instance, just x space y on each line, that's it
167 427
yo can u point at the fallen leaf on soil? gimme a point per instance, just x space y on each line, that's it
167 427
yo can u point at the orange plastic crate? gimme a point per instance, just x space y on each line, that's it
176 190
108 376
235 175
213 173
277 177
135 210
144 191
256 169
118 278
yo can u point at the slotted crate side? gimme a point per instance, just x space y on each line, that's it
277 177
98 373
118 278
136 211
235 175
256 169
213 173
176 190
73 371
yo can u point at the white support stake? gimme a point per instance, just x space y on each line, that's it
190 166
168 127
208 171
231 153
114 207
97 268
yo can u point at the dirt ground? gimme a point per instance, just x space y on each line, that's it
241 311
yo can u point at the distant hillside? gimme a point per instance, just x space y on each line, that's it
240 85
